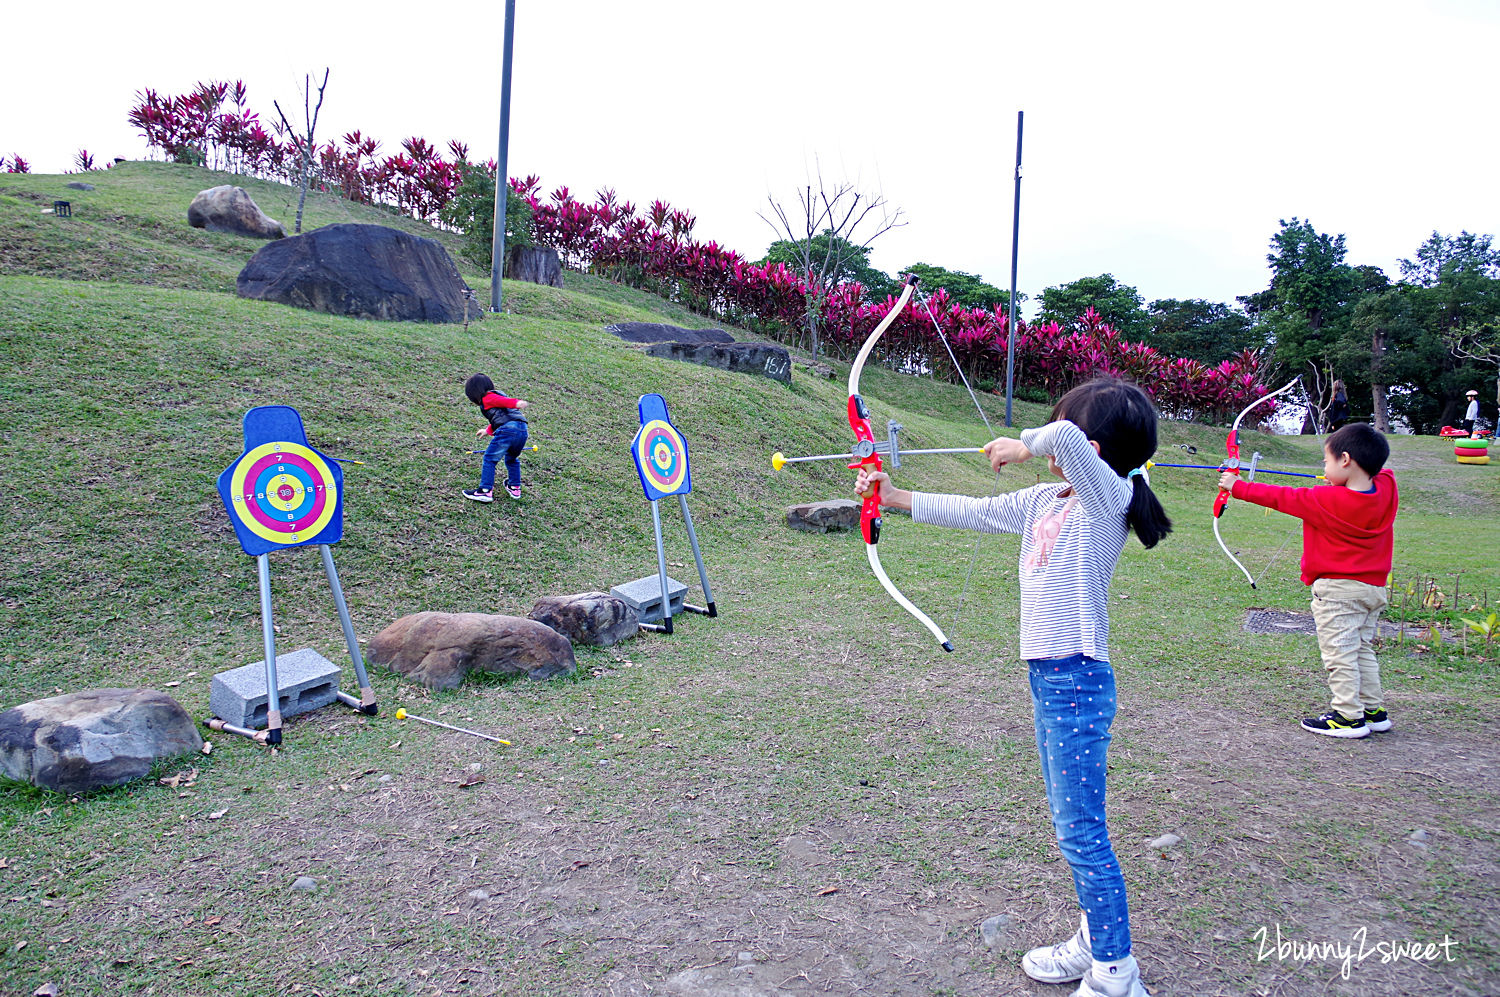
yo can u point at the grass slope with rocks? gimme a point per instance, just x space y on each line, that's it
802 795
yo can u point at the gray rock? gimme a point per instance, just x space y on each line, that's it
89 740
659 332
305 884
820 517
537 264
763 359
385 778
1164 842
597 619
229 209
80 185
438 650
363 271
994 929
1418 839
479 896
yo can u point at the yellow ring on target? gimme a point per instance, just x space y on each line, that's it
663 475
321 470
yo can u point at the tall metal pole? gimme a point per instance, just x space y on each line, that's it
1015 241
502 176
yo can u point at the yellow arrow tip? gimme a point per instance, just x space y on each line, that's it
400 714
778 460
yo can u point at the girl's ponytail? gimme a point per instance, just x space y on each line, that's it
1145 515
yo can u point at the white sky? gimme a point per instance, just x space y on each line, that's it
1163 139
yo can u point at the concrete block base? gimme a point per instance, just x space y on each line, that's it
644 596
308 682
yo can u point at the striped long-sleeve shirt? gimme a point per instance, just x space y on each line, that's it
1071 536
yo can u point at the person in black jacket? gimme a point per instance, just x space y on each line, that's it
506 426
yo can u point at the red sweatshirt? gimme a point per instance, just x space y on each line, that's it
499 410
1345 533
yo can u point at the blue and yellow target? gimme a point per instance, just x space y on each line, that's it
281 492
660 452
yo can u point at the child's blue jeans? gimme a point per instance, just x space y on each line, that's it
1073 700
509 440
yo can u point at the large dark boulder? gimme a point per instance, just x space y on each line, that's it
537 264
363 271
88 740
439 650
229 209
740 358
658 332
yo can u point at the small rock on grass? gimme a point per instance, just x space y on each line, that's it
305 883
1164 842
479 896
993 929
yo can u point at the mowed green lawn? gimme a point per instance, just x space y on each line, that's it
807 778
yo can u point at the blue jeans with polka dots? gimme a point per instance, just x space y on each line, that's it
1073 700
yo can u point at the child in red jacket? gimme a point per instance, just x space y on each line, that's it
1347 538
507 427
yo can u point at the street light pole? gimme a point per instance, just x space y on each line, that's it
1015 241
502 177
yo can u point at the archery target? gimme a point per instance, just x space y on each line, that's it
283 493
661 456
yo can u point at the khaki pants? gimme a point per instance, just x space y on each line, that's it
1347 613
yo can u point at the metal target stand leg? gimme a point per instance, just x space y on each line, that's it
268 637
661 570
366 702
710 610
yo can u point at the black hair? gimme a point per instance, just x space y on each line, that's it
1365 445
1121 419
477 387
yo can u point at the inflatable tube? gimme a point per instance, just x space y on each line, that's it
1473 460
1469 452
1470 442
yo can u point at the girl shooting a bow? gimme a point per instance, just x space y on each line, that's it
1099 438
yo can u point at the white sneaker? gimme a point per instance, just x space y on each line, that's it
1125 984
1061 963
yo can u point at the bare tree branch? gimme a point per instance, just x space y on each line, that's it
847 217
310 116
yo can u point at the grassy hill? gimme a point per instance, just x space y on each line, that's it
811 739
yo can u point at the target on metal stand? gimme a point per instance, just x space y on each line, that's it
661 454
281 492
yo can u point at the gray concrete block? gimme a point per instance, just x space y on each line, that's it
308 681
644 596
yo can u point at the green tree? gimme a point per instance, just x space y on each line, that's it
1307 312
472 211
967 289
1455 303
1203 330
1118 304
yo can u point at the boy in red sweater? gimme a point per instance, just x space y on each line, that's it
507 427
1347 538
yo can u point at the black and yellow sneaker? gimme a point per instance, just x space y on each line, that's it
1378 721
1335 724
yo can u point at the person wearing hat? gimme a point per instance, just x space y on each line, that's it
1472 412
